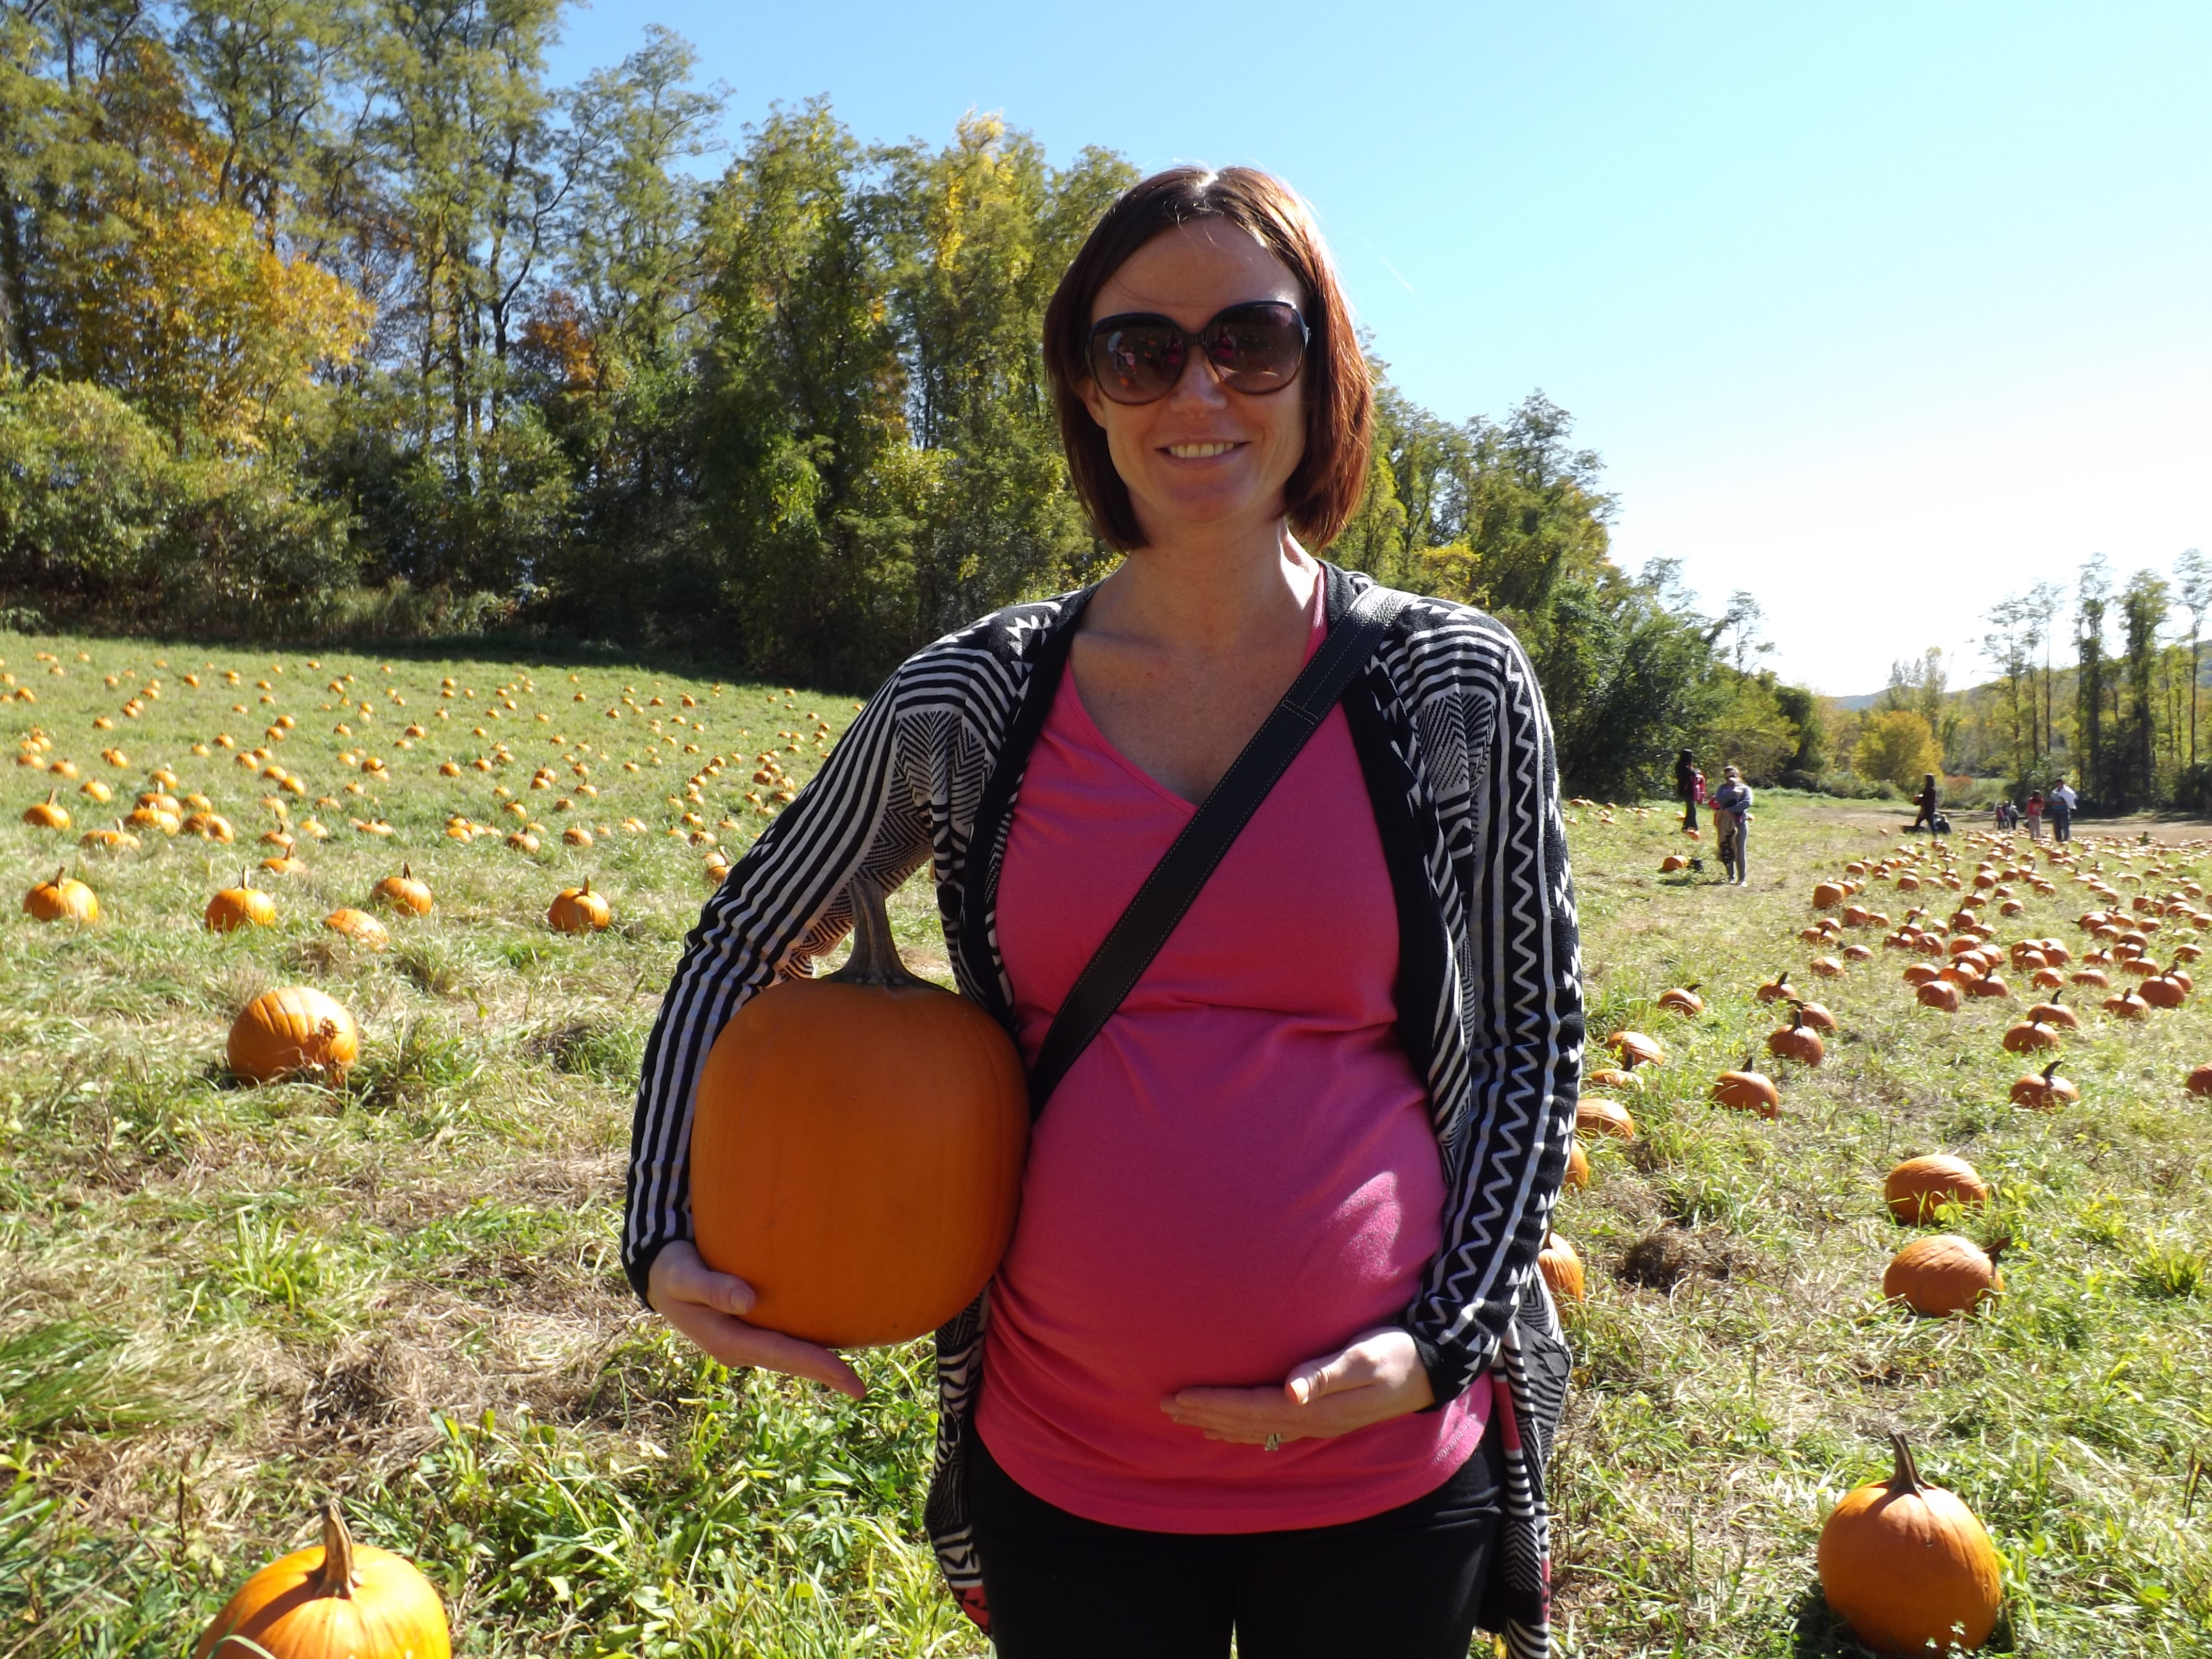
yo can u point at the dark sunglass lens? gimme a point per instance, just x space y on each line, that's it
1257 347
1136 363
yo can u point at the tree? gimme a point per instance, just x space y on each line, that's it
1896 747
2010 644
2090 674
2192 588
2143 605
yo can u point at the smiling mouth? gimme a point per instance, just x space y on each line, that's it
1201 452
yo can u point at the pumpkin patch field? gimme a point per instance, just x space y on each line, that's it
432 902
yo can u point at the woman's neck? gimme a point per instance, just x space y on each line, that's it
1207 596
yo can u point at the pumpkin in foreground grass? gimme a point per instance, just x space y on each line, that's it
1796 1041
857 1147
359 926
2199 1081
1945 1273
1578 1165
1908 1567
579 910
1747 1090
1918 1187
1596 1116
405 891
48 814
2045 1091
332 1599
1682 1000
1561 1267
296 1029
61 899
241 906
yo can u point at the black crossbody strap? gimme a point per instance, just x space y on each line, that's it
1174 884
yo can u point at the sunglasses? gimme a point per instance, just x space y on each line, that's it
1256 348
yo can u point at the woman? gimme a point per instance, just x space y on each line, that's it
1689 787
1731 805
1269 1352
2034 809
1927 814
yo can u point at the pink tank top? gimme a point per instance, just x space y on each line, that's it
1237 1176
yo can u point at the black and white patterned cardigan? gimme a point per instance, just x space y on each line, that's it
1452 736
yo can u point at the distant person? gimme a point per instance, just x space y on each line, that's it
1731 804
1928 800
2033 811
2061 801
1689 787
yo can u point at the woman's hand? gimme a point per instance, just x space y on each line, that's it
708 1308
1378 1377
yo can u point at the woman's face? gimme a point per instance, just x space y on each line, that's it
1203 456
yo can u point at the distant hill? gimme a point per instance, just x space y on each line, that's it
1864 700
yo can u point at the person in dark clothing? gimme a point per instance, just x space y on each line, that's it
1687 779
1928 800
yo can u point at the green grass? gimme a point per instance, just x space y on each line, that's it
218 1303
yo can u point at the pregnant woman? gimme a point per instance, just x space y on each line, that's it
1269 1354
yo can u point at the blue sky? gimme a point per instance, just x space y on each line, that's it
1880 310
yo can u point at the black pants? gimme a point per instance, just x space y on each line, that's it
1403 1584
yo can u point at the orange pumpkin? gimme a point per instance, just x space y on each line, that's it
61 899
1682 1000
1746 1091
48 814
1776 989
1561 1267
1795 1042
1940 994
1594 1114
296 1029
1636 1049
1578 1173
2126 1005
1916 1188
579 910
1908 1567
1611 1077
1945 1274
405 892
241 906
360 927
2044 1090
337 1598
857 1147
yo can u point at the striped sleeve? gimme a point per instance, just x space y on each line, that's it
782 906
1519 1019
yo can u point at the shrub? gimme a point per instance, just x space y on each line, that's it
103 524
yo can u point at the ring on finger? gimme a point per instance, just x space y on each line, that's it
1274 1443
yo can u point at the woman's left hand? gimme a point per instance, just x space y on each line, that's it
1378 1377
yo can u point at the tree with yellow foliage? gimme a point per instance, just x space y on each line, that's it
1896 747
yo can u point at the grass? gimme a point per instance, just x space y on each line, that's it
217 1302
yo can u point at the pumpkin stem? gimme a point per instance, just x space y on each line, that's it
1905 1477
340 1577
2049 1069
875 959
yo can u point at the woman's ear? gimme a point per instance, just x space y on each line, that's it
1087 389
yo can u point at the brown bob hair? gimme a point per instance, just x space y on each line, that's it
1325 490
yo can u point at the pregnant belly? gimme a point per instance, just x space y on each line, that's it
1261 1218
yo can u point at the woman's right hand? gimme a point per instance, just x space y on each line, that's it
709 1308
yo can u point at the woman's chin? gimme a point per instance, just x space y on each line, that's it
1203 505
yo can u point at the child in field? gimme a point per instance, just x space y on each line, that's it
2034 811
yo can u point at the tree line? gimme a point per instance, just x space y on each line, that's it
338 316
